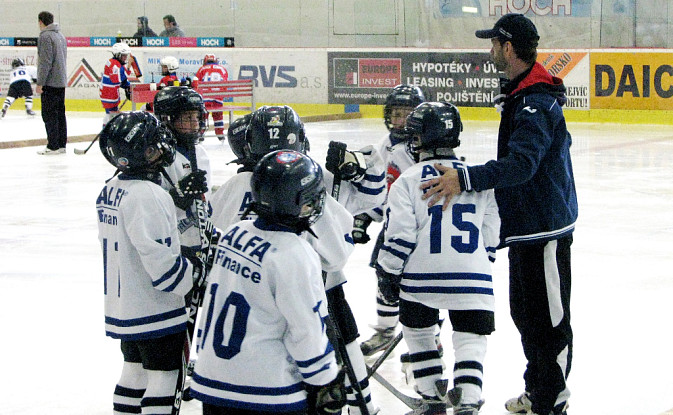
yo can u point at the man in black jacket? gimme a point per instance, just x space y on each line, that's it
144 28
535 190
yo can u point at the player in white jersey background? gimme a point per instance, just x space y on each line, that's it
441 260
145 275
263 346
399 103
20 80
269 128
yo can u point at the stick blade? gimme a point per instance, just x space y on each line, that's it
79 151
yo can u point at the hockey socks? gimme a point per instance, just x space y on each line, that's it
130 389
424 358
468 371
360 369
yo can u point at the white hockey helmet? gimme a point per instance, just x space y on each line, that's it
170 62
120 48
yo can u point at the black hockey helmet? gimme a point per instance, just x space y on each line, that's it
433 125
136 142
18 62
288 188
409 96
236 137
171 103
274 128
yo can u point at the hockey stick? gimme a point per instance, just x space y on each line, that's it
409 401
371 369
205 227
80 152
338 341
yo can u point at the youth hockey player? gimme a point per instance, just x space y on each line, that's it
182 111
263 347
212 71
399 104
114 77
146 277
271 128
168 65
441 261
19 85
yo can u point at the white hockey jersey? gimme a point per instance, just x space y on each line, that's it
366 194
444 256
187 220
395 160
23 73
145 277
334 243
263 332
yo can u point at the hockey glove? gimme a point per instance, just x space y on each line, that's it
347 165
189 188
327 399
360 224
388 286
199 273
127 92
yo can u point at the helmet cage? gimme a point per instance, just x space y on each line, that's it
136 142
402 96
172 103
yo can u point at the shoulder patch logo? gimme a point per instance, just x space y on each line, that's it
529 109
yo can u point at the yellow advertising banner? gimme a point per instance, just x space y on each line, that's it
631 80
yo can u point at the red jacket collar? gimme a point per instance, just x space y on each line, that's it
537 74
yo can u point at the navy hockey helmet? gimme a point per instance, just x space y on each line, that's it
18 62
136 142
236 137
182 110
409 96
433 125
288 188
275 128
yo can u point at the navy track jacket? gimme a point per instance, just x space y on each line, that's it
532 176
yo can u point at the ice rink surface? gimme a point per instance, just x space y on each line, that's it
59 361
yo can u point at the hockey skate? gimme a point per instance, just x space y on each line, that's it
379 341
522 405
518 405
29 112
4 111
434 405
455 397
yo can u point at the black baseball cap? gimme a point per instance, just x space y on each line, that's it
512 27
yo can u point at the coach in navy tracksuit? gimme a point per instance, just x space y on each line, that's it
535 190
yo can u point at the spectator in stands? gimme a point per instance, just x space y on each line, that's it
144 29
172 29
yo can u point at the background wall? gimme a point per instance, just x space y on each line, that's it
354 23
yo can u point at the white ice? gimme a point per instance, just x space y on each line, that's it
57 359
